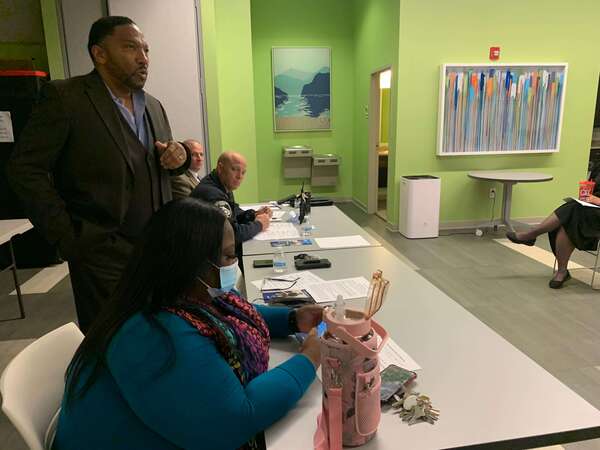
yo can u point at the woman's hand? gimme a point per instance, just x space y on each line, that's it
311 348
593 200
308 317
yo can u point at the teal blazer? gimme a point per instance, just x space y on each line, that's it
197 403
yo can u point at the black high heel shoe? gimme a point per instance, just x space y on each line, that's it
557 284
512 237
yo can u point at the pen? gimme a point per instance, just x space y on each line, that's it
281 279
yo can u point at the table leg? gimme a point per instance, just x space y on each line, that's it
506 203
16 279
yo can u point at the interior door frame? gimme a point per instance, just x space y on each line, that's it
374 124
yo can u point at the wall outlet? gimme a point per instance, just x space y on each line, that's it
492 192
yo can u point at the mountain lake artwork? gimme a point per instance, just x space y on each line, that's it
302 88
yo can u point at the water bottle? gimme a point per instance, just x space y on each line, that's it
279 262
351 380
306 226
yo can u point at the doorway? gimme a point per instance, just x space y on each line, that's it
379 121
594 161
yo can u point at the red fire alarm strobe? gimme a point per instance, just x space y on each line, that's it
494 53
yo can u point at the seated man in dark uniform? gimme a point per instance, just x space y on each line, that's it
217 188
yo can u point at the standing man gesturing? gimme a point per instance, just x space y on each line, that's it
93 163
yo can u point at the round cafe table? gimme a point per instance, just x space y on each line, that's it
509 179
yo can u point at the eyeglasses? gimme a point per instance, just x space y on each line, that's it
282 280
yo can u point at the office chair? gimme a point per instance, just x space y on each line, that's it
595 253
33 383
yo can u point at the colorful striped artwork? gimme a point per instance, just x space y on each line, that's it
501 108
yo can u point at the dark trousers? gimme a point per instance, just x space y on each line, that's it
95 275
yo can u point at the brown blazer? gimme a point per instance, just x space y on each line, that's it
183 185
70 167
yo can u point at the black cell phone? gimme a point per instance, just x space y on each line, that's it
307 264
393 378
258 263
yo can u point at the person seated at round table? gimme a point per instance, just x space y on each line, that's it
570 226
178 359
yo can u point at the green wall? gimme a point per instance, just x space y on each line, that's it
211 83
235 88
376 47
53 44
277 23
433 33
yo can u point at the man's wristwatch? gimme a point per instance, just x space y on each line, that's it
292 322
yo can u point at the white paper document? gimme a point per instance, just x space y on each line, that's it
301 280
581 202
278 230
277 214
6 129
348 288
342 242
392 354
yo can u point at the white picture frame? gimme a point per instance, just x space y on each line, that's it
503 114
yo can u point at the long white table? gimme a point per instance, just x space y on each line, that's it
490 394
9 229
328 221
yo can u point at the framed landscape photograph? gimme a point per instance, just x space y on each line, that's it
301 88
491 109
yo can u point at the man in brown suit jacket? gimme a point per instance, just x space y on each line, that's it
183 185
94 161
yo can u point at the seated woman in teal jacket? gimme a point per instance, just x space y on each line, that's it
178 359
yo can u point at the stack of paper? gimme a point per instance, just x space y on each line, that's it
581 202
348 288
391 353
300 280
278 230
342 242
321 291
277 215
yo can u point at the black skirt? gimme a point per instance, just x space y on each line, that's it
581 223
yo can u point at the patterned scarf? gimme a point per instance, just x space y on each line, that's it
240 335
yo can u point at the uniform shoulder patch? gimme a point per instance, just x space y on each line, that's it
224 207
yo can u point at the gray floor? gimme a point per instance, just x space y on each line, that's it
382 206
508 291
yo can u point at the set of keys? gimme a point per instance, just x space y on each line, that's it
414 408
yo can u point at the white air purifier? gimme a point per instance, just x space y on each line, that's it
419 206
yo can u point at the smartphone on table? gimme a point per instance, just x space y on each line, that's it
258 263
393 378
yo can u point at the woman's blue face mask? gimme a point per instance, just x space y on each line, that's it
228 276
